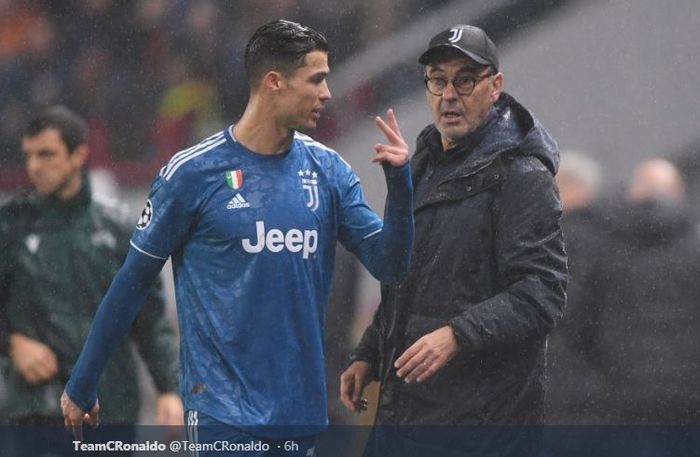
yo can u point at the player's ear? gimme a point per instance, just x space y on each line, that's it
273 81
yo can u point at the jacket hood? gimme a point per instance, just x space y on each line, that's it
512 130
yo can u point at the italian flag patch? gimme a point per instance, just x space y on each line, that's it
234 179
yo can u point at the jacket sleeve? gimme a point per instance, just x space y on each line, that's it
530 262
155 340
4 297
7 260
368 349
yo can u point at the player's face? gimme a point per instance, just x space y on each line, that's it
457 115
52 169
306 93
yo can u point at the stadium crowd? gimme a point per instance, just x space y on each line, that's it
151 76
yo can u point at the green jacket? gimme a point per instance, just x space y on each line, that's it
58 259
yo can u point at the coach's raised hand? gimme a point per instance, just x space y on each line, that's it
396 152
73 416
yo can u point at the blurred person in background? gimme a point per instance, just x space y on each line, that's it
111 60
642 304
251 217
61 246
462 340
579 180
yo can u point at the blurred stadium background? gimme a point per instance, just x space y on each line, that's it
617 78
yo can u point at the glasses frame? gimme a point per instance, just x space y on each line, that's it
475 82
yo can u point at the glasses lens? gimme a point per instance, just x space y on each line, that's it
435 85
464 85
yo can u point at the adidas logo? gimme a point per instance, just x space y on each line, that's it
238 202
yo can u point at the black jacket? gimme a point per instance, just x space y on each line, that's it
643 317
489 261
572 383
58 260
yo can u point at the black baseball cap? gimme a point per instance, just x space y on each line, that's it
470 40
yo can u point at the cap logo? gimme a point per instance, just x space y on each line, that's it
456 35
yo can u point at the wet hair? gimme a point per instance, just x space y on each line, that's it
72 127
280 45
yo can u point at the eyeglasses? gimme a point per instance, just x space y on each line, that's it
464 85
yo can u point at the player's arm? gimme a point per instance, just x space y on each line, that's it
164 224
112 322
386 250
155 339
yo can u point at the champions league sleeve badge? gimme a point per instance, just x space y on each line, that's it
146 216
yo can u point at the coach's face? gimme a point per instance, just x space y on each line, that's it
306 92
457 114
52 168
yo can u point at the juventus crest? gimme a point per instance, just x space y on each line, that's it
456 35
309 183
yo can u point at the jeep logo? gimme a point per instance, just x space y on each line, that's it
275 241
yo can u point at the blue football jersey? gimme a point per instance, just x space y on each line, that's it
252 239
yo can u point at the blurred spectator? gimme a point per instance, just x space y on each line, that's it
188 109
48 297
656 182
16 19
642 305
579 180
570 379
136 67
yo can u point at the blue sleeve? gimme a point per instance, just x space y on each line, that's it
112 322
167 218
384 249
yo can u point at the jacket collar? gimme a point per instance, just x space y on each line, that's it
509 129
53 207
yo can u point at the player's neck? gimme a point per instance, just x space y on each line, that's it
257 131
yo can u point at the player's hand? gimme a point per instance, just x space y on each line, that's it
352 384
34 360
73 416
427 355
396 152
169 410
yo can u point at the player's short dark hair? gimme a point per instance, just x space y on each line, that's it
280 45
72 127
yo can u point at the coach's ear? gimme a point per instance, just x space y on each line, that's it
496 86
